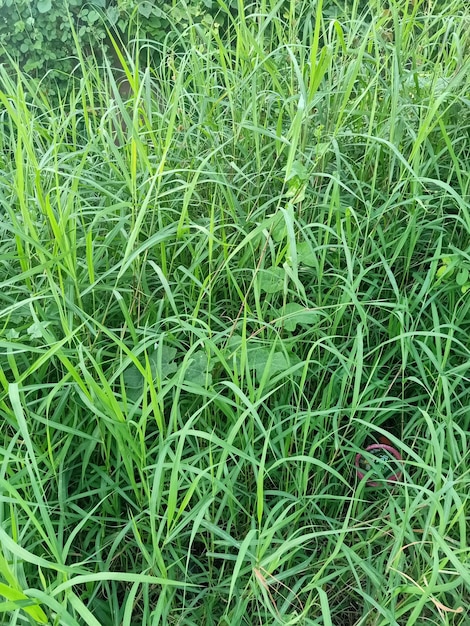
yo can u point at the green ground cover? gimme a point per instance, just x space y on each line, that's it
217 285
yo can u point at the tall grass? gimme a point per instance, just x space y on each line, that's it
217 285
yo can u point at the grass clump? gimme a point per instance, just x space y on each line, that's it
216 288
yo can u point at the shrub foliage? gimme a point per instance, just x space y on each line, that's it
42 36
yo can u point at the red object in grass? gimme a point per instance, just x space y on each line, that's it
374 449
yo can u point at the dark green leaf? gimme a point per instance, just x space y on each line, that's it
133 383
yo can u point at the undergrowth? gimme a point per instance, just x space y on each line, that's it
217 287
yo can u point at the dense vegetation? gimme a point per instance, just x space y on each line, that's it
217 286
41 36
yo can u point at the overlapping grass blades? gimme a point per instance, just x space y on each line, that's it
217 283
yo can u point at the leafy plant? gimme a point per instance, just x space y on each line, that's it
41 36
456 267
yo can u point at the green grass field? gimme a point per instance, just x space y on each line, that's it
217 285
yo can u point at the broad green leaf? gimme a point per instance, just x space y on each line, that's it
279 231
260 359
93 16
305 254
197 371
296 191
297 314
44 6
166 366
112 14
37 329
444 270
133 382
145 8
234 343
299 171
133 379
462 276
271 280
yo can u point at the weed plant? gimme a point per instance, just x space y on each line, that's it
217 286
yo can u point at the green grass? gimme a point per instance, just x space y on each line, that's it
215 288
